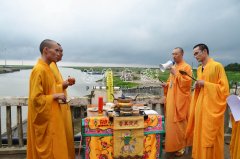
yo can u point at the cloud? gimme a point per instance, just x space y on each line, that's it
111 31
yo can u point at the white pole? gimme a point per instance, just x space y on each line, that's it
5 56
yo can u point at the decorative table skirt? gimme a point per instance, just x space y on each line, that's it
97 133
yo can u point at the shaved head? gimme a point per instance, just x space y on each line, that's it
179 48
46 43
177 54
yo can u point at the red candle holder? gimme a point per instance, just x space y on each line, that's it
100 105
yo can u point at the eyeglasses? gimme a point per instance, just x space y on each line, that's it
197 53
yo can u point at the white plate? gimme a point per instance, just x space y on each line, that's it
141 107
94 109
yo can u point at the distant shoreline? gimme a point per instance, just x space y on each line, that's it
233 76
13 68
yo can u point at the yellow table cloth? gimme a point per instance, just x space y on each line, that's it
97 137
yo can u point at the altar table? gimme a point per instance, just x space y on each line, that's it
97 137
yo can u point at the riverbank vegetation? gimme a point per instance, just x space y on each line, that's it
123 84
13 68
233 67
138 74
129 77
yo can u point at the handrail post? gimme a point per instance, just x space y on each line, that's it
9 125
19 125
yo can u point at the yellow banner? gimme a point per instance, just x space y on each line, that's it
109 85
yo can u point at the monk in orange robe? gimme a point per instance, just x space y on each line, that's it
65 108
208 104
235 140
178 97
46 138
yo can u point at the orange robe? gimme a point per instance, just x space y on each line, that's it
177 107
45 132
235 140
206 120
66 111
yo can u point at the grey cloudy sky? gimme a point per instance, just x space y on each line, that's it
120 31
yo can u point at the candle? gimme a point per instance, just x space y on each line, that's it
100 105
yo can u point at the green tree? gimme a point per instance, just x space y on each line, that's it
232 67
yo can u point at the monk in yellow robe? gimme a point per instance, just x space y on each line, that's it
235 140
208 104
178 97
65 108
46 138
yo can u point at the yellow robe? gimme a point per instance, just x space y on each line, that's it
177 108
235 140
45 132
206 120
66 111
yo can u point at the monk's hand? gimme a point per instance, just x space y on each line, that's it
173 71
195 85
200 83
60 97
163 84
65 84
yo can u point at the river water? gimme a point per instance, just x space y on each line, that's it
17 84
